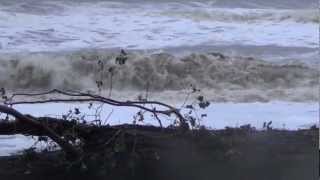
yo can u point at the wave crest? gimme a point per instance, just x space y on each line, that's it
160 71
246 15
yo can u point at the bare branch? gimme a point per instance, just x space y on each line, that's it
88 97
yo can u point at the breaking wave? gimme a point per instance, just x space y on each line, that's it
157 71
233 11
246 15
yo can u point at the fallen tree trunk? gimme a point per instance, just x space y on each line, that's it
57 129
143 152
32 123
60 126
56 125
93 137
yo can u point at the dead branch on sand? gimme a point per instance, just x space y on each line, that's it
54 128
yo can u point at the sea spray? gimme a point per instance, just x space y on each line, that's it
159 71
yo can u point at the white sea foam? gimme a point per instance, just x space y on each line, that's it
59 26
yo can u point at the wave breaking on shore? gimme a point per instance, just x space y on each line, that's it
214 73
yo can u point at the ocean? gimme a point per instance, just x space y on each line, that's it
256 59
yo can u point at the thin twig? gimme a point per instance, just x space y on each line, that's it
98 98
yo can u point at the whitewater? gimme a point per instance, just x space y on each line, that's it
255 61
66 25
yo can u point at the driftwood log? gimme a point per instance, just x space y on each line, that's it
56 129
32 123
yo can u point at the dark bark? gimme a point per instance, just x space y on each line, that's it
34 124
56 129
